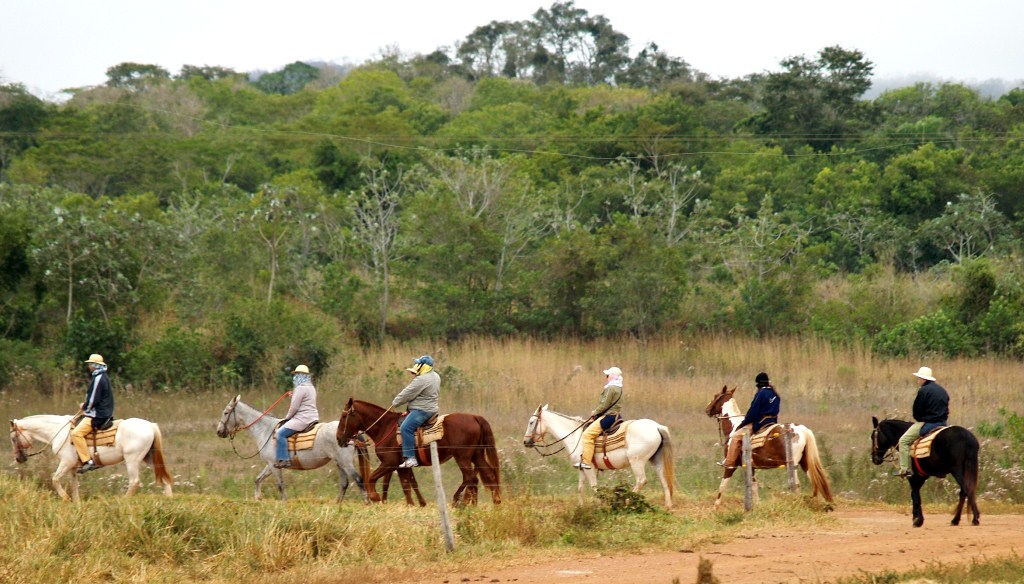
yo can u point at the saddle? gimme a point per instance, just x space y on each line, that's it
431 431
610 440
765 434
304 439
922 447
103 436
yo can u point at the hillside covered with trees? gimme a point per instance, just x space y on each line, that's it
538 180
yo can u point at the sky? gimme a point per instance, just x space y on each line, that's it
49 45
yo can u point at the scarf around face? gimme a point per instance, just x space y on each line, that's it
300 378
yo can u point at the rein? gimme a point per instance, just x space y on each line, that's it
238 429
564 446
49 443
348 413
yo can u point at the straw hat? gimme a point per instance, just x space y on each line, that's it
925 373
95 358
301 369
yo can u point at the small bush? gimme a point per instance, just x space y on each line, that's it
932 334
620 498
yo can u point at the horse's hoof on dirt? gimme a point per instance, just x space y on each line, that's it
918 522
975 522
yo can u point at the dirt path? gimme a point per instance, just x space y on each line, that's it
863 540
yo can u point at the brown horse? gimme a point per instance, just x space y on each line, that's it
467 438
773 453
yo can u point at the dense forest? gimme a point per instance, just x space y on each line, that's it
536 180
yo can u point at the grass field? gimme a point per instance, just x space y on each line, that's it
213 531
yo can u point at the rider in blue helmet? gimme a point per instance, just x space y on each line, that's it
422 395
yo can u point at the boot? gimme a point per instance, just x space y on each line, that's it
89 465
409 462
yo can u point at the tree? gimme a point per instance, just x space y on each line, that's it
22 115
290 79
968 228
135 76
653 68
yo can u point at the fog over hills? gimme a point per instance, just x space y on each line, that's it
992 88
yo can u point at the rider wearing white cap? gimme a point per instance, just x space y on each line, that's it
604 415
931 409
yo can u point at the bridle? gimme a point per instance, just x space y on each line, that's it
536 440
347 413
888 455
233 414
22 442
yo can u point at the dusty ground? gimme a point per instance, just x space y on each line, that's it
862 541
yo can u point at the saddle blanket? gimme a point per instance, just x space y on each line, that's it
303 440
922 447
617 439
103 437
764 434
432 432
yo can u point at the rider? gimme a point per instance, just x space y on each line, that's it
301 413
97 410
422 395
764 410
604 415
931 409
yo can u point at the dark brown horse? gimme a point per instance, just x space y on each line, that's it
772 454
467 438
954 451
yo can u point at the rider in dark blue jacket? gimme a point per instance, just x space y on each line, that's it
763 411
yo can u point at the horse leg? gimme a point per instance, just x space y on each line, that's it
721 486
259 481
639 473
915 498
62 469
133 477
468 482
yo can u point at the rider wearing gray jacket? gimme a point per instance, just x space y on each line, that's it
422 395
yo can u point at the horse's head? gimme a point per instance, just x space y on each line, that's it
714 408
535 429
229 424
20 442
884 437
348 423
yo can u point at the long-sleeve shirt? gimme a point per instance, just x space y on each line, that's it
423 393
302 412
611 400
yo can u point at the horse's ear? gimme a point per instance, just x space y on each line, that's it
724 387
349 403
732 391
238 398
874 421
545 408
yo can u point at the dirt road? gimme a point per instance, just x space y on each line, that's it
863 540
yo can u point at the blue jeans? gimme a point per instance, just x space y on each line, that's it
414 420
282 442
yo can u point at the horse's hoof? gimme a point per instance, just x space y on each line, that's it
975 522
918 522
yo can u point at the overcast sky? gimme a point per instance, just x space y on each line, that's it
52 44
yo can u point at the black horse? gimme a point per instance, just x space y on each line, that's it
954 451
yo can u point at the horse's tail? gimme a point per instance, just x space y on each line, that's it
490 459
970 485
668 467
156 456
811 462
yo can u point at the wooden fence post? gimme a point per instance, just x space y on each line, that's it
442 500
787 438
748 465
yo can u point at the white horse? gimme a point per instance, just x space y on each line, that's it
646 440
239 416
804 448
135 440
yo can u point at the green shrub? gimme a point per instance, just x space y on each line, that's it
179 359
932 334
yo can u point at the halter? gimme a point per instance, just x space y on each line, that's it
19 434
888 455
231 433
536 439
347 412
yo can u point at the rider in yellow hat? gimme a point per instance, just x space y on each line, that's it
97 410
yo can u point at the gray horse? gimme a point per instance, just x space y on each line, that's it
239 416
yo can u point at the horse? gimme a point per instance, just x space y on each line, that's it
773 454
954 451
468 439
646 441
136 440
238 416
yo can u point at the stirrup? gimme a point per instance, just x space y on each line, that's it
283 464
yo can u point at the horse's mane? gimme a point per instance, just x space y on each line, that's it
575 418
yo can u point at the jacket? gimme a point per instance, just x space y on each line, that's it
99 400
611 401
931 404
423 393
764 409
302 412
